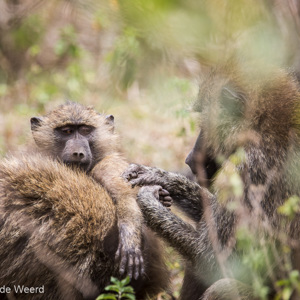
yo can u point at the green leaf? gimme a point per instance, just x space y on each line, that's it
113 288
114 280
282 282
107 297
294 275
128 296
290 207
125 281
286 293
128 289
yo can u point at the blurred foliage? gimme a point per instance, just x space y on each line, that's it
262 253
290 207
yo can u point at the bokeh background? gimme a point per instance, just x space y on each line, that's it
139 60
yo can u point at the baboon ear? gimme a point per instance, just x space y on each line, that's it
35 122
110 119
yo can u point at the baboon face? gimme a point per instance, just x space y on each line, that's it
222 110
201 164
73 145
74 134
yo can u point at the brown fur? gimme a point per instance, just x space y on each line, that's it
58 230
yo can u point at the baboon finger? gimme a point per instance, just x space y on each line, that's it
130 265
132 175
168 199
156 191
118 253
136 182
131 172
142 266
136 267
123 263
164 192
167 204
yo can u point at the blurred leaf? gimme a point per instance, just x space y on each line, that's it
67 44
290 207
29 33
128 296
123 59
3 89
125 281
34 50
107 297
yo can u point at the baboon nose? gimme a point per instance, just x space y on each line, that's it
78 155
190 162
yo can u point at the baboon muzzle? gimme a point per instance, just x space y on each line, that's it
77 152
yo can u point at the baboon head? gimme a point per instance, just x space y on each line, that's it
237 109
75 134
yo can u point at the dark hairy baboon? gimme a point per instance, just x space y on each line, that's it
238 110
68 220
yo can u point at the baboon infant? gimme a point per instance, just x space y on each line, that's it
82 138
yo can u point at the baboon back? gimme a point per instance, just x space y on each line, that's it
58 229
59 232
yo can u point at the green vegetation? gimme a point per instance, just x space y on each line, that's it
118 290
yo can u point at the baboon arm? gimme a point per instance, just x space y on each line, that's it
108 172
187 195
202 246
180 235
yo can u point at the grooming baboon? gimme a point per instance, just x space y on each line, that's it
259 114
46 216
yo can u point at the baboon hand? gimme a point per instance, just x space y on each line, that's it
150 195
164 198
139 175
130 257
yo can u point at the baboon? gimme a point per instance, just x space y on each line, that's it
80 137
70 220
238 110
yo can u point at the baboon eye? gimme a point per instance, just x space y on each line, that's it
85 130
67 130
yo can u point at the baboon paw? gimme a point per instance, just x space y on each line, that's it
152 194
131 263
149 195
164 198
132 172
139 175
